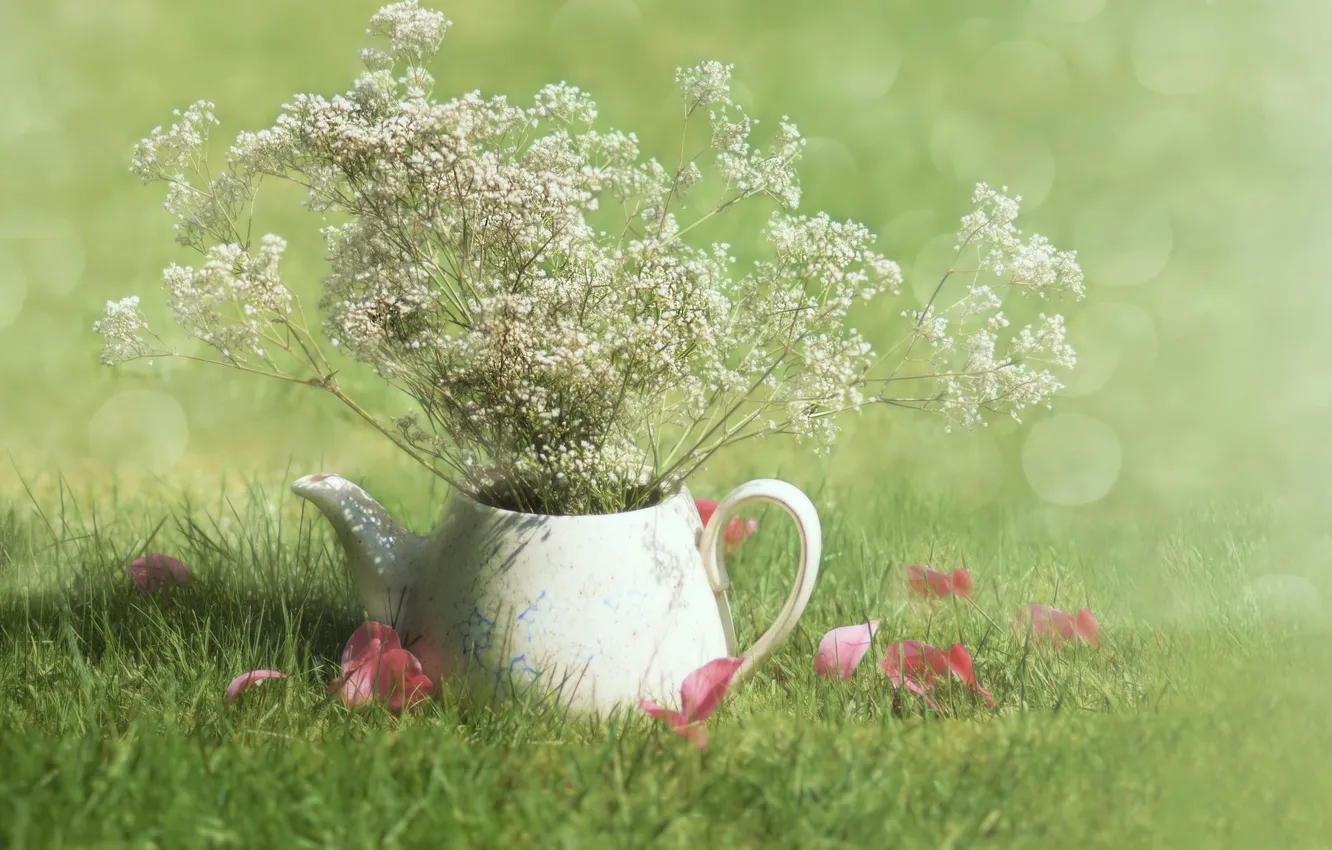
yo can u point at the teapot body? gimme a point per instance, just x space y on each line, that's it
596 611
602 610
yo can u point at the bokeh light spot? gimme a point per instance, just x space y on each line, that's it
579 16
1123 241
140 427
965 468
948 133
1017 74
828 171
1154 134
1177 49
50 251
56 261
1007 156
1098 358
21 98
907 229
1106 335
975 34
1071 459
1070 11
13 288
1283 598
846 65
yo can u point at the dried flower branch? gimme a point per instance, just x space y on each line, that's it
574 365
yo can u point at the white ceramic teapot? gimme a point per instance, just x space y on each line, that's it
601 610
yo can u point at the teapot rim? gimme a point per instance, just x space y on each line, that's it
681 493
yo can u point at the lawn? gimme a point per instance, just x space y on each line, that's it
116 735
1178 489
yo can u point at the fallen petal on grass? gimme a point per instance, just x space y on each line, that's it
703 690
368 637
1060 627
401 684
245 681
842 648
356 685
919 667
963 584
959 663
927 581
155 572
736 530
700 694
376 667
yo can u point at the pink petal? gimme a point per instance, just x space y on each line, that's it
1087 627
242 682
928 665
673 719
155 572
1064 624
1035 614
705 508
692 732
662 714
400 683
894 661
917 666
962 583
1043 621
703 690
916 578
927 581
959 662
907 664
736 530
941 584
368 635
920 691
1058 627
357 683
842 648
695 733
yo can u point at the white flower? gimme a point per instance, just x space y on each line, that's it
707 84
120 326
548 297
414 33
178 148
975 371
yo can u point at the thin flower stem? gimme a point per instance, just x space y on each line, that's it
402 444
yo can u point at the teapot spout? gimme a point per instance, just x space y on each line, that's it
381 555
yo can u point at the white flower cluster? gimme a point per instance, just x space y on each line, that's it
120 326
1034 265
972 371
234 285
414 34
528 281
705 85
176 150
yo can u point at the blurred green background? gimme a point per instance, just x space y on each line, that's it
1180 146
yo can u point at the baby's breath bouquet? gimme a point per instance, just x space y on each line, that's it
543 294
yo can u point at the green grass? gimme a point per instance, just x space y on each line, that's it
113 731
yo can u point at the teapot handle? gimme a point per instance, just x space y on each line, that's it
713 545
